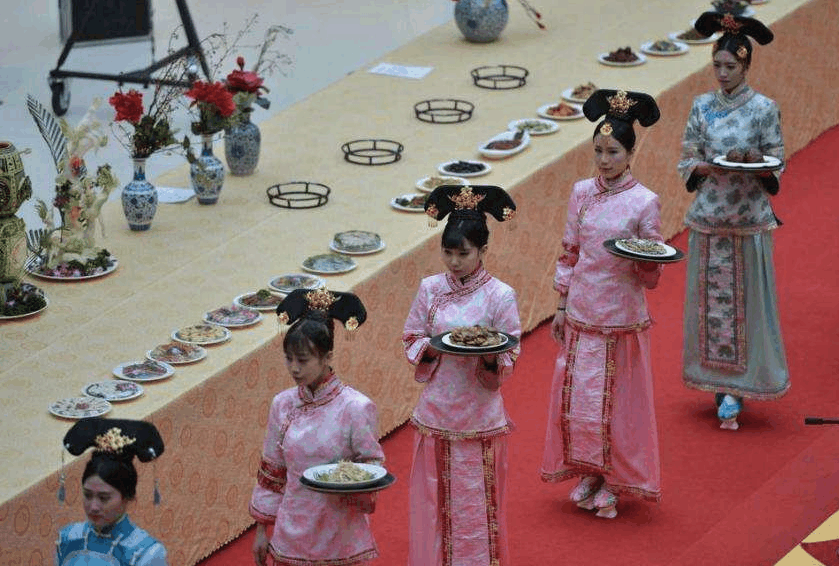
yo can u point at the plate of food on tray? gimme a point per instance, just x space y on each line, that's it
356 242
749 160
113 390
75 270
561 111
204 333
410 202
505 144
534 126
147 370
291 281
329 264
80 407
175 352
579 93
473 340
664 48
428 184
261 300
642 249
464 168
622 57
232 316
347 477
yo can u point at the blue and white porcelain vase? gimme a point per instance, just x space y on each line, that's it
139 198
481 21
241 145
207 173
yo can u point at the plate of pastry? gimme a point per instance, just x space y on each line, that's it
751 160
204 334
356 242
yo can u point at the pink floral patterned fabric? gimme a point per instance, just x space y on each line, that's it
304 429
601 415
459 468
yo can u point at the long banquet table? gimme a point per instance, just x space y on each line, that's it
195 258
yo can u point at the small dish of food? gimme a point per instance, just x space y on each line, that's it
356 242
411 202
233 316
262 300
534 126
474 337
622 57
692 36
428 184
561 111
505 144
147 370
664 48
203 333
464 168
329 264
579 93
344 474
177 353
291 281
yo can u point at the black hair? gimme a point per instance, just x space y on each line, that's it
463 225
621 131
118 473
733 43
313 333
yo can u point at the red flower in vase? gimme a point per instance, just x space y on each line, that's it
240 80
129 106
213 94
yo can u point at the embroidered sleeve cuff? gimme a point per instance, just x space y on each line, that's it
261 517
271 476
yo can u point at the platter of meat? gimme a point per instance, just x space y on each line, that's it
622 57
561 111
749 160
505 144
692 37
473 340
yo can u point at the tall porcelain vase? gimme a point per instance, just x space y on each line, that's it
481 21
241 145
207 173
139 198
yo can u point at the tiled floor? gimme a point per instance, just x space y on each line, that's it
330 39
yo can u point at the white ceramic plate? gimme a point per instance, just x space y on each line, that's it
113 390
240 301
34 265
670 251
534 126
769 163
291 281
356 242
502 153
312 474
233 316
204 334
674 36
447 340
80 407
146 370
639 61
568 94
442 168
425 184
33 313
394 202
329 264
174 353
682 48
543 112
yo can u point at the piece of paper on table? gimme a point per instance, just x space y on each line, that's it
401 70
171 194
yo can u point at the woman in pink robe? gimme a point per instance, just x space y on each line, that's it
601 424
319 421
458 476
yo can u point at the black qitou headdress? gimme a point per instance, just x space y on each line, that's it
623 105
345 307
474 201
710 23
117 438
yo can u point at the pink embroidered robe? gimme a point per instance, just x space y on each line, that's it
304 429
459 468
601 417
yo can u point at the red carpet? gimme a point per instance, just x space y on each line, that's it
740 498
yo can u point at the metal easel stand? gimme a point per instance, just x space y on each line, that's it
58 77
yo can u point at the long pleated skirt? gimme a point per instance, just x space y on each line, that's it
457 496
